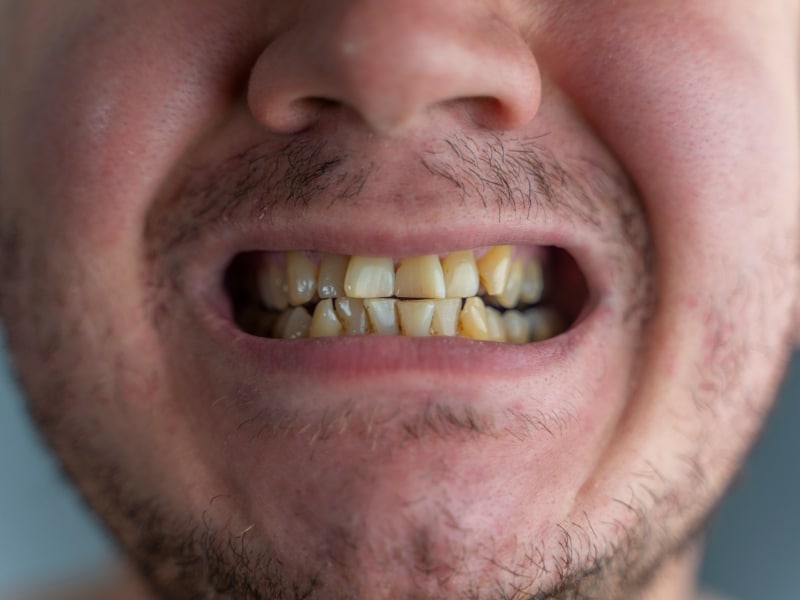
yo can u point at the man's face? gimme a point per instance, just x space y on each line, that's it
158 160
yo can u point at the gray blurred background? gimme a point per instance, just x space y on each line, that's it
753 552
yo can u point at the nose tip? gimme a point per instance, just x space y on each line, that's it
393 64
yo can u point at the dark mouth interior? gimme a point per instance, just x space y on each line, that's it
565 295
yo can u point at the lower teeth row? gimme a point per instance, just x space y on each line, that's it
452 317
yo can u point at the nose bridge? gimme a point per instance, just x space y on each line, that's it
392 61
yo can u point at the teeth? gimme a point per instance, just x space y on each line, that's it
494 325
382 315
516 327
510 296
273 287
494 267
472 320
543 323
301 278
532 282
445 317
461 278
296 324
324 323
419 277
369 277
415 317
332 270
352 315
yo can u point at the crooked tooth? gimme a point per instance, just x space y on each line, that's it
272 287
543 323
472 321
516 327
493 268
494 325
461 278
324 323
369 277
382 315
532 282
511 293
445 316
352 315
301 278
419 277
415 317
296 324
332 271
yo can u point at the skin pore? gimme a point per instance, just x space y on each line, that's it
144 145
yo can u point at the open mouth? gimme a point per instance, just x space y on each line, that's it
509 294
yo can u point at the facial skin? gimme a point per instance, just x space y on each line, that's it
144 144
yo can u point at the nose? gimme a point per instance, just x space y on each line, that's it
395 63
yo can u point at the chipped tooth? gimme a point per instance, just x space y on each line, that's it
382 315
511 293
493 268
543 323
532 282
324 323
516 327
495 326
460 274
369 277
419 277
352 315
272 287
301 278
415 317
472 319
445 316
332 270
296 325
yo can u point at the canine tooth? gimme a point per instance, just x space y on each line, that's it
324 322
532 282
272 287
461 278
369 277
352 315
415 317
301 278
516 327
472 319
332 270
511 293
419 277
543 323
445 316
493 268
297 325
495 326
382 315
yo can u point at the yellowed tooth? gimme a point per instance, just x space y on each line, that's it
493 268
516 327
419 277
301 278
532 282
324 322
472 321
460 274
495 325
332 270
511 293
272 287
369 277
382 315
296 325
415 317
352 315
543 323
445 316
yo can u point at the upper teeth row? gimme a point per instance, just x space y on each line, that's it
510 280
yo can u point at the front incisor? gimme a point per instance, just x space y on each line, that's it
369 277
382 313
415 317
461 278
419 277
445 317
